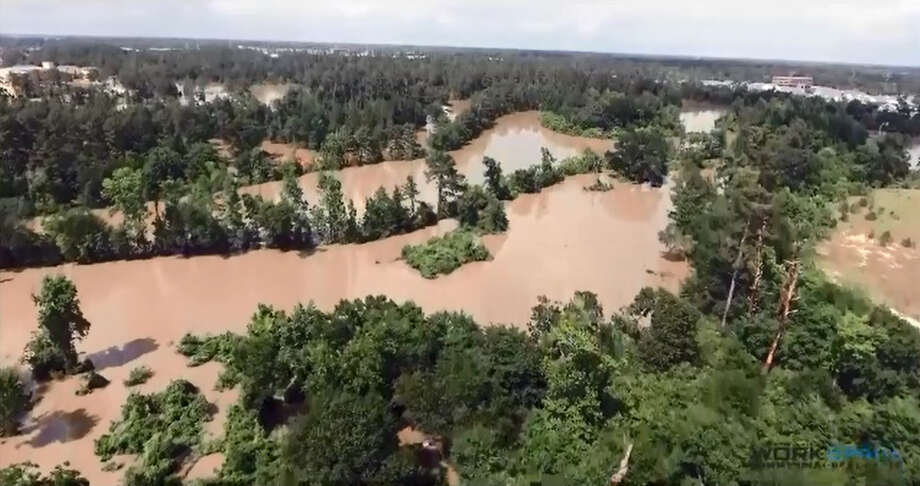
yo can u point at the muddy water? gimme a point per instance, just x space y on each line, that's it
887 273
697 117
561 240
268 93
515 141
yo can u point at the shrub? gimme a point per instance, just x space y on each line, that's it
138 376
13 401
27 474
158 427
444 254
871 216
908 243
200 350
885 239
598 186
91 381
43 357
863 202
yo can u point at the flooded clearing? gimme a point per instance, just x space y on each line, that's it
559 241
887 273
284 152
268 93
515 141
700 117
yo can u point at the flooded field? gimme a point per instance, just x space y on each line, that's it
854 255
559 241
268 93
515 141
698 117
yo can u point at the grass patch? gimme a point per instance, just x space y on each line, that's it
138 375
444 254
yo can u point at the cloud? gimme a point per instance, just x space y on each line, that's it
883 31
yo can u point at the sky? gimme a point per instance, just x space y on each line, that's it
858 31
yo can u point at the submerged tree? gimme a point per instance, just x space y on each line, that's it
642 155
494 180
60 319
13 401
441 169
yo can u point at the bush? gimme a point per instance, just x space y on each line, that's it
442 255
863 202
480 209
908 243
43 357
27 474
585 163
159 427
13 401
885 239
598 186
200 350
138 376
871 216
91 381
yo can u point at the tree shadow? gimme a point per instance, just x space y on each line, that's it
60 426
119 355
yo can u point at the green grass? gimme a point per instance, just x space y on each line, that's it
443 255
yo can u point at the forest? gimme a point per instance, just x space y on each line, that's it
759 349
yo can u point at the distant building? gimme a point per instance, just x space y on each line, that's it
47 65
794 81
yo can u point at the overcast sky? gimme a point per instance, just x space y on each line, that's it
864 31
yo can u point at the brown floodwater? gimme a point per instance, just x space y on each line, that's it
559 241
887 273
700 117
514 141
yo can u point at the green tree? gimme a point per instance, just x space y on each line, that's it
125 190
330 215
441 169
670 338
642 155
410 189
13 401
341 439
161 164
59 316
494 180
